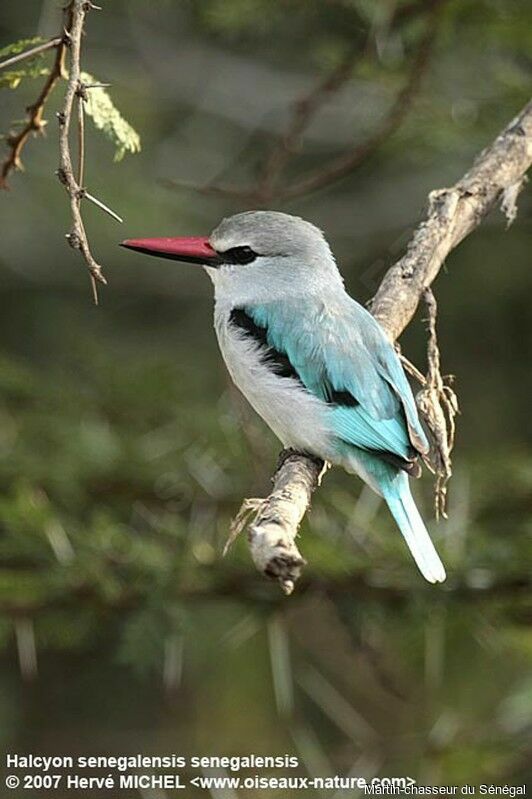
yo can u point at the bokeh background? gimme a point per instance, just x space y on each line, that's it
124 451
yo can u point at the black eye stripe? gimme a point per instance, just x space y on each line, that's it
238 255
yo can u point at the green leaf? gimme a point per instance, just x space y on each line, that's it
109 120
31 69
18 47
10 80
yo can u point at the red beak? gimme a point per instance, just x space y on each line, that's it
193 249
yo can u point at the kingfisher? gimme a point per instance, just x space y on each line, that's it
313 363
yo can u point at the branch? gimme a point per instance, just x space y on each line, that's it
226 192
274 553
453 213
346 163
31 53
35 122
77 238
303 113
267 187
76 92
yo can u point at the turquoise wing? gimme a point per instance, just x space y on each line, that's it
342 356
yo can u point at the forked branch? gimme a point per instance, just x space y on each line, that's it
346 163
35 123
269 186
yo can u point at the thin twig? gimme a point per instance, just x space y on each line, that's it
212 189
102 205
77 238
409 367
35 122
34 51
268 186
81 139
346 163
304 111
438 405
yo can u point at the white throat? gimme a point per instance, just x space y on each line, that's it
271 279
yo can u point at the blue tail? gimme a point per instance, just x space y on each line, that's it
402 506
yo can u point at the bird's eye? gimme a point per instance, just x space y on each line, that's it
239 255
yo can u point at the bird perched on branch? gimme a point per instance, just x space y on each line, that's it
313 363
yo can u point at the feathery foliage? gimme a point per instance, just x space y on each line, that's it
32 68
19 46
109 120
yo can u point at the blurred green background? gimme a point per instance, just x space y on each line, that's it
124 451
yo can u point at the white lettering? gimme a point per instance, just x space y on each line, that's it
39 762
166 782
76 782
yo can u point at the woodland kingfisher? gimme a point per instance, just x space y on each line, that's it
313 363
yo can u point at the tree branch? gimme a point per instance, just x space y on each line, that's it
76 92
274 553
452 213
346 163
31 53
268 187
35 122
77 238
303 113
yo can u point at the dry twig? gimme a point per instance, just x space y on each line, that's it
76 92
268 186
346 163
438 405
35 122
31 53
452 214
304 112
77 237
275 554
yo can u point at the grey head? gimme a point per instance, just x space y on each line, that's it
268 233
270 253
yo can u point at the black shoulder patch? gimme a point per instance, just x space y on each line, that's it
277 361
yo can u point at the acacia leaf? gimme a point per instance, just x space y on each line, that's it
11 79
23 44
32 68
106 117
